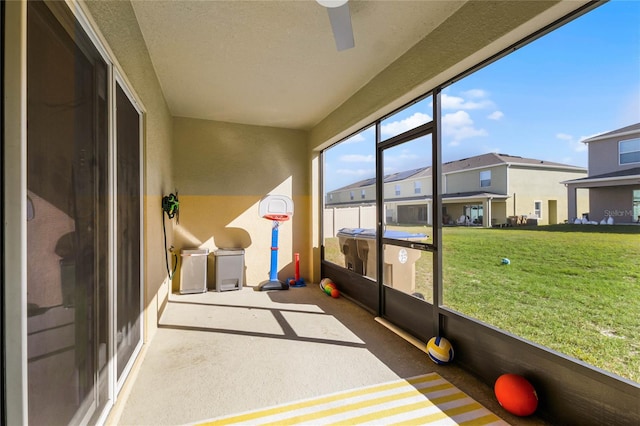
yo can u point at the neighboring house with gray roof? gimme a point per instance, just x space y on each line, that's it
613 182
487 188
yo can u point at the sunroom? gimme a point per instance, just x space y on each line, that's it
135 131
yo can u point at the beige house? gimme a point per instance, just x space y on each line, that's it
614 178
489 190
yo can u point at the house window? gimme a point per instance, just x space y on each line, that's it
363 194
537 209
397 189
351 196
330 197
629 151
485 178
417 187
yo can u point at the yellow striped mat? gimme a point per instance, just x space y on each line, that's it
427 399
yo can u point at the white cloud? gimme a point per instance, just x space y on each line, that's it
407 155
495 115
402 158
401 126
451 102
357 158
366 135
476 93
575 145
456 119
355 139
456 102
579 146
459 126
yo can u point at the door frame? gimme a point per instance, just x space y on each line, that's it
422 319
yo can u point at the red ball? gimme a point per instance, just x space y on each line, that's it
516 394
335 293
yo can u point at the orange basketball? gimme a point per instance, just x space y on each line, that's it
516 394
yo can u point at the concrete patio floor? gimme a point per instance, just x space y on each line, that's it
217 354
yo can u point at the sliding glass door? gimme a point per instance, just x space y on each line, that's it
128 235
84 216
67 219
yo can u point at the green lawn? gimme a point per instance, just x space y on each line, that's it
572 288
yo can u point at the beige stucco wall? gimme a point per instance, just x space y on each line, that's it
407 188
469 181
118 25
527 185
222 170
369 193
499 212
344 196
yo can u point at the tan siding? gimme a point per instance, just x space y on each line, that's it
528 185
469 181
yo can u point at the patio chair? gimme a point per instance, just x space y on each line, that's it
463 220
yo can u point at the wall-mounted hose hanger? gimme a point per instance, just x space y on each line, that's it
170 206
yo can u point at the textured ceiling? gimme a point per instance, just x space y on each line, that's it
274 63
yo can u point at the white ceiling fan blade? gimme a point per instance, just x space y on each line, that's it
340 18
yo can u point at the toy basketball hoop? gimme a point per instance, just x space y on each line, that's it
277 208
276 217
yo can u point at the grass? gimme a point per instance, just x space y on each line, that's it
572 288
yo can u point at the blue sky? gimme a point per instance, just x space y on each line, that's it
539 102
